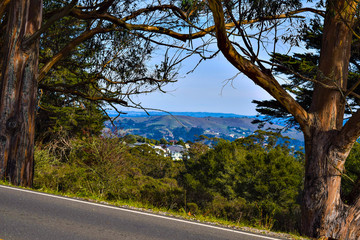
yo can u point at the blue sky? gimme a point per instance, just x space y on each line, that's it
204 90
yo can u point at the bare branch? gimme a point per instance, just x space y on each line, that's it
247 43
121 23
262 78
77 13
180 13
104 6
137 80
107 115
161 43
349 132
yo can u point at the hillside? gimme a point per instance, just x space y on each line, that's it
113 113
190 128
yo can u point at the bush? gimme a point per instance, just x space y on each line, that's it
192 208
243 180
105 168
234 210
162 193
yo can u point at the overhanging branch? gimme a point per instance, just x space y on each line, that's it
180 13
121 22
85 96
260 77
68 48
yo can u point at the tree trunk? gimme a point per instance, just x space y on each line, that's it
323 212
18 92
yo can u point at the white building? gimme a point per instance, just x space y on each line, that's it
176 152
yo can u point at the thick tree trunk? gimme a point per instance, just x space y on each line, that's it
323 212
18 92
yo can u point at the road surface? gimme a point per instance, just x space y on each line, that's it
31 215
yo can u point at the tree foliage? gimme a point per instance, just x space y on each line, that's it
267 178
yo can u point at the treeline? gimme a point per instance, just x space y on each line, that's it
253 181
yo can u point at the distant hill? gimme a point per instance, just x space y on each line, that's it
188 127
112 113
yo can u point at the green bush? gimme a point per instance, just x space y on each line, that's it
106 168
163 193
233 210
192 208
245 180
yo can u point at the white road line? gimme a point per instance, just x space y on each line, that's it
137 212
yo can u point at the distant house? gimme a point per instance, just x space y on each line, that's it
160 150
176 152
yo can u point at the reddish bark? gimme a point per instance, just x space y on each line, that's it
324 214
18 92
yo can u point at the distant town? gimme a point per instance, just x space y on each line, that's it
190 127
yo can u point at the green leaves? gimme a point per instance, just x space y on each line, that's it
106 168
258 169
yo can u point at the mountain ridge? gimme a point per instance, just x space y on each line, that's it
113 113
189 127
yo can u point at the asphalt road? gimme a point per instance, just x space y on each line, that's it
30 215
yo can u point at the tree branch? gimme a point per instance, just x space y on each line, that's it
77 13
121 23
62 13
68 48
173 8
261 78
351 90
349 132
84 95
104 6
3 6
